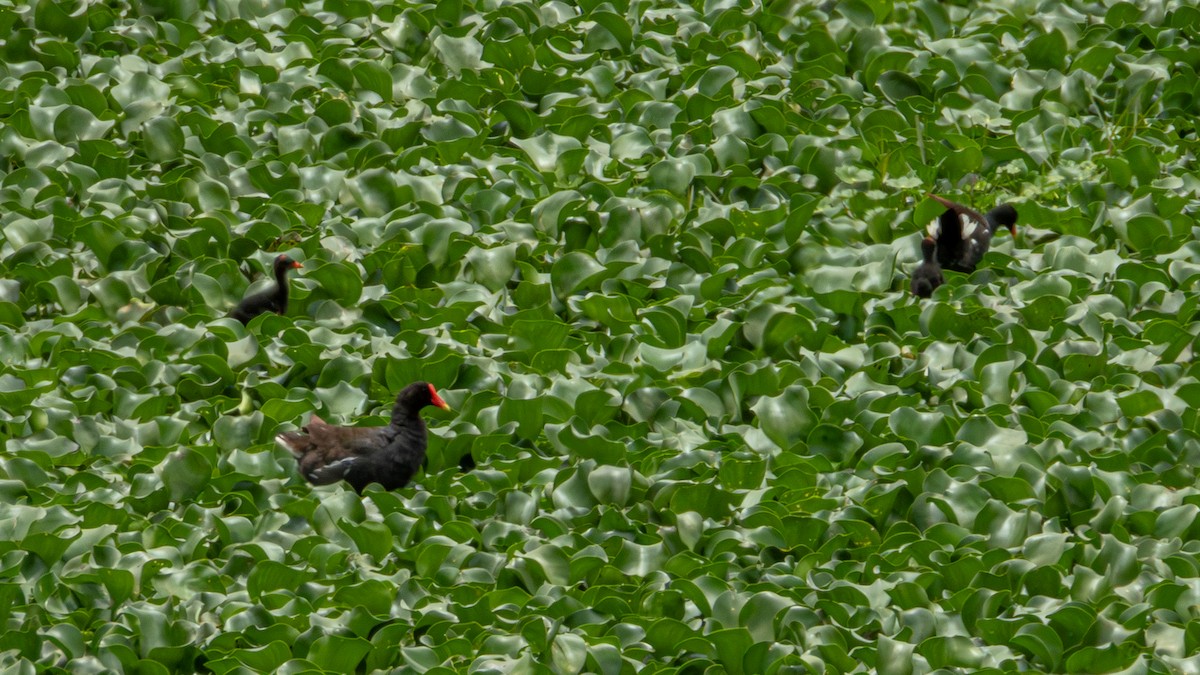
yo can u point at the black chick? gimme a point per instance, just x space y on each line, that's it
274 300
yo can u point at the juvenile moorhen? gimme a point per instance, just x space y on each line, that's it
387 455
928 275
963 236
273 300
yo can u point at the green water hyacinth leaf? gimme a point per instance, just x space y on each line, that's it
573 272
1113 657
1176 521
73 124
185 473
898 86
232 432
164 139
451 136
1041 642
923 428
374 77
68 19
673 175
267 657
545 150
657 262
785 419
340 281
1047 51
610 485
338 653
493 267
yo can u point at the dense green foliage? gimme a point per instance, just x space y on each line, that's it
654 255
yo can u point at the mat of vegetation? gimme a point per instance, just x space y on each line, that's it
655 257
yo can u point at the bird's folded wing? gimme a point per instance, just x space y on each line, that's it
336 441
331 472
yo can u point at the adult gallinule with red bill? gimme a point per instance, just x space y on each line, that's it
963 236
388 455
274 300
928 275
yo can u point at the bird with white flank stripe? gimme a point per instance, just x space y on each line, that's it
963 235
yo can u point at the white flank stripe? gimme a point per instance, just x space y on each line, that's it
332 471
934 228
968 224
341 463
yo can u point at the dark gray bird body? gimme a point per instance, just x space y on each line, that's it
963 236
270 300
928 275
388 455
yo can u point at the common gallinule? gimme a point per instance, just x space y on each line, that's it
273 300
928 275
963 236
388 455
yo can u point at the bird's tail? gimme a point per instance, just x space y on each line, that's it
298 442
294 442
